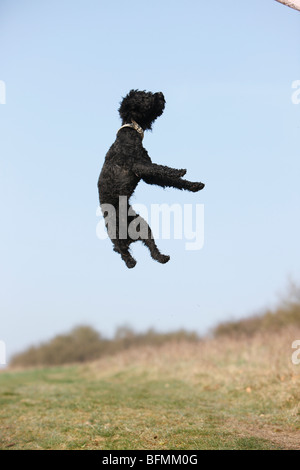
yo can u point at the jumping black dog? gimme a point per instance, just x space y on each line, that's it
126 163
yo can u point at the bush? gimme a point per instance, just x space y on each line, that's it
84 344
286 314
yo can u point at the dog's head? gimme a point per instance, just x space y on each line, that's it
143 107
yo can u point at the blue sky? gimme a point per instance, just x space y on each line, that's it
226 70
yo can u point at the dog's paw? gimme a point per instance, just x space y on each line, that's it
163 259
197 187
130 263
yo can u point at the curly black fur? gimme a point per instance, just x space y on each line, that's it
126 163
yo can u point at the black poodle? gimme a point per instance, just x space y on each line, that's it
126 163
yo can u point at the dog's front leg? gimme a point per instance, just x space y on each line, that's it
164 176
154 170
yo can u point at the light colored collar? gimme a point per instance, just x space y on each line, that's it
134 125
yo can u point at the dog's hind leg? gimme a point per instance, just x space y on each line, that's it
129 260
146 236
154 251
125 255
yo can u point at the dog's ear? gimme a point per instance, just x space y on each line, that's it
128 105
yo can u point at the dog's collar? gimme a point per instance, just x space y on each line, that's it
134 125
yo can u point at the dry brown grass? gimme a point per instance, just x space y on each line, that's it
254 378
227 392
268 354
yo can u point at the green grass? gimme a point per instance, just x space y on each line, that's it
216 395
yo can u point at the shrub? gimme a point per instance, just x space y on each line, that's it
84 344
286 314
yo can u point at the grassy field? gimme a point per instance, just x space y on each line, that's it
223 393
